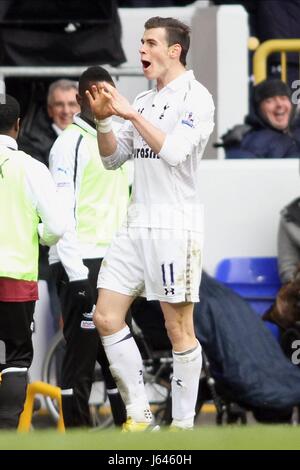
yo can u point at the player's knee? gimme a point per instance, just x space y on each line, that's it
105 321
174 330
179 333
100 318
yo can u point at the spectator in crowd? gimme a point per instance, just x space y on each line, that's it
285 312
27 194
96 202
38 131
289 242
158 252
271 131
62 104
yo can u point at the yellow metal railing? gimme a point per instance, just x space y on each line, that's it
260 58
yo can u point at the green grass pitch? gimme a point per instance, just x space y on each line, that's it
210 437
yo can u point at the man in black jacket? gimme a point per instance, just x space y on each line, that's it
42 125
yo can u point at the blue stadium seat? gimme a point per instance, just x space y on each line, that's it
255 279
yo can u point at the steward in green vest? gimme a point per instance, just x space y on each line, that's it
27 196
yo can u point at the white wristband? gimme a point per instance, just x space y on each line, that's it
103 125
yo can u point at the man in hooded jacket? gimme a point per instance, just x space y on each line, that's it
271 131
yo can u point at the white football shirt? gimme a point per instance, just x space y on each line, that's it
166 186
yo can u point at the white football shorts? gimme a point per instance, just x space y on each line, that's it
159 264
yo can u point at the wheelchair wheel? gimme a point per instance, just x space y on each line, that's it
51 373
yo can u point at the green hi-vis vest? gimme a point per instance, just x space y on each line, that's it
102 199
19 220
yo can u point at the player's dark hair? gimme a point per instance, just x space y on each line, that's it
91 75
177 33
9 113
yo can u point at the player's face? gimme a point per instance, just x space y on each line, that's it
154 52
63 106
277 111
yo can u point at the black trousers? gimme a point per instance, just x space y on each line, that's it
83 349
16 325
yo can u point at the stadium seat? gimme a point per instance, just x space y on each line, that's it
255 279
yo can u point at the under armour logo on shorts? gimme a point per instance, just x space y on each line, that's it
170 291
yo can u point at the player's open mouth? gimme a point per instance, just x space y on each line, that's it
146 64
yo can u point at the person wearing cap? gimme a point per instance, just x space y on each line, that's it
271 130
27 195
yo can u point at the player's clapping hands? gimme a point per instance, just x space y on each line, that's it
105 101
99 103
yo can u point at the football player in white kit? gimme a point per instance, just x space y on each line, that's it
158 252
